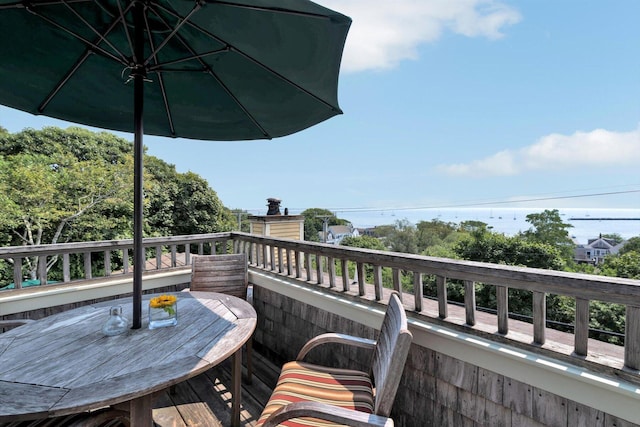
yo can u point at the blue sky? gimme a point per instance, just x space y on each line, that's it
531 103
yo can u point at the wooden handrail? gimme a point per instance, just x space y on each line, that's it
327 265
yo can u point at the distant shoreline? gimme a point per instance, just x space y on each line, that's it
604 219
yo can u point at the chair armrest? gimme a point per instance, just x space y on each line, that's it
330 413
335 338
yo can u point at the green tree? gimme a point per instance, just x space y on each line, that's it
547 227
313 222
432 233
626 265
633 244
76 185
403 238
364 242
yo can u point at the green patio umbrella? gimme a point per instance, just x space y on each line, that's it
201 69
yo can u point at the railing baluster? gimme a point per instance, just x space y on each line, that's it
125 260
272 258
289 266
502 301
319 270
539 317
280 261
265 256
441 286
331 267
581 330
158 257
346 284
298 255
632 338
307 259
107 263
377 281
174 256
66 268
361 278
470 302
87 268
417 291
397 281
17 272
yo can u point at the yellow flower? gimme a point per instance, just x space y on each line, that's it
165 302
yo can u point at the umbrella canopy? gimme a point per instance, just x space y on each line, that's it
201 69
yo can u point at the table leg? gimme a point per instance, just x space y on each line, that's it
141 411
236 375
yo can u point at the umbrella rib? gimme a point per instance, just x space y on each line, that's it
263 66
208 69
102 37
89 44
163 90
158 66
174 31
126 29
75 67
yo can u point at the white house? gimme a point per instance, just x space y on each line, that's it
597 249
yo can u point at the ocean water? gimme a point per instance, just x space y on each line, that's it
510 221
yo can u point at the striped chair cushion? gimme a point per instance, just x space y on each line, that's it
301 381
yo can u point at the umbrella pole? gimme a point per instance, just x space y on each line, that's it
138 169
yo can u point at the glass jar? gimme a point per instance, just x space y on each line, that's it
163 311
116 323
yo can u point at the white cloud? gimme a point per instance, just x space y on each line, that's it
598 148
385 32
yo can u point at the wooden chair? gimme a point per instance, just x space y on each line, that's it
326 396
226 274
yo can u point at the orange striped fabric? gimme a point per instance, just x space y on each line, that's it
300 381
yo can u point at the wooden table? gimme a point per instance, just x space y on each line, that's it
63 364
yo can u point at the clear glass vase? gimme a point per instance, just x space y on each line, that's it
116 323
163 311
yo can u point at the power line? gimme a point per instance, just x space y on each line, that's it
471 203
478 203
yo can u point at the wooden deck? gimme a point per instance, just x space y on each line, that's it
205 400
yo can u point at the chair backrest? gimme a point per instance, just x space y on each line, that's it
224 273
390 355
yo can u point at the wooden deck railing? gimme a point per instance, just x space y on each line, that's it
328 265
